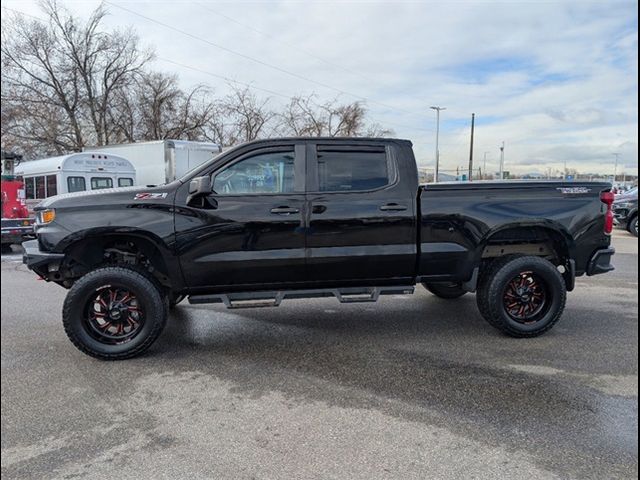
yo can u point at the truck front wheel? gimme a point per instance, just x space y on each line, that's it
114 313
522 296
448 291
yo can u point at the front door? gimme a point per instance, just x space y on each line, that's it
249 230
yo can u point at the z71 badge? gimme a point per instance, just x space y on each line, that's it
150 196
574 190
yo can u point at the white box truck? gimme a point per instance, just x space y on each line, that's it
162 161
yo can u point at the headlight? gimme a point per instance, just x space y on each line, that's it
46 216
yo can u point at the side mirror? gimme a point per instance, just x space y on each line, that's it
198 187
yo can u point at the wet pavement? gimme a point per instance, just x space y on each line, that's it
410 387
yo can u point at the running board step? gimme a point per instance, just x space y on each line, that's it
274 298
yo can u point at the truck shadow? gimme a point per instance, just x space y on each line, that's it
421 359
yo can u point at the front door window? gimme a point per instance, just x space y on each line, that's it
265 173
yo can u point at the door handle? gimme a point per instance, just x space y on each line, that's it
318 209
393 207
284 210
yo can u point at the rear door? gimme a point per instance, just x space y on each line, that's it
361 216
249 230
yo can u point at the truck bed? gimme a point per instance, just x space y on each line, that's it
459 220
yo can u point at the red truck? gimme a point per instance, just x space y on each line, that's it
16 224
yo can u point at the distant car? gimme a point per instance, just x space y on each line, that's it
625 210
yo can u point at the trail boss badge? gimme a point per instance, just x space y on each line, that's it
574 190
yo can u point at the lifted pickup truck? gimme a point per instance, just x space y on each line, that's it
315 217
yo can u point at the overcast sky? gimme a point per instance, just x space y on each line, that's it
556 81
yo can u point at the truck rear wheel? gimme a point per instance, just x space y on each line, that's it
522 296
114 313
448 291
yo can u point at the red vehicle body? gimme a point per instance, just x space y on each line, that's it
13 204
16 224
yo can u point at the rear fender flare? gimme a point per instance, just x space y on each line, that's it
567 247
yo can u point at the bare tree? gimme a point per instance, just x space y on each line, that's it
304 116
248 115
70 67
68 83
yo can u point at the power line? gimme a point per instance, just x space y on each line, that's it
271 92
258 61
222 77
230 80
298 49
290 45
24 14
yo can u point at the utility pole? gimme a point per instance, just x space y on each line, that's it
473 122
615 170
485 163
437 109
502 162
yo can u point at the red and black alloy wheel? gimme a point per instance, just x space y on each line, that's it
525 298
114 315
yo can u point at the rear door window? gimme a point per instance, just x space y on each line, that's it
352 170
125 182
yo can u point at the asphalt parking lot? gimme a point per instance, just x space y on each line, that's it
410 387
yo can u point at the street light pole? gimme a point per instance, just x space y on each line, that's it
473 122
485 163
437 109
615 170
502 162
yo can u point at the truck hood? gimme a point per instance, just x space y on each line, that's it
104 196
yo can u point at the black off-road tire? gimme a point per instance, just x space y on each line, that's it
486 273
633 226
448 291
75 315
491 294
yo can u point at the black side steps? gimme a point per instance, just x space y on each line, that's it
274 298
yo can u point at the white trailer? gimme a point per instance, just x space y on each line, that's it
74 173
163 161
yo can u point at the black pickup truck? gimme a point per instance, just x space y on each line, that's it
315 217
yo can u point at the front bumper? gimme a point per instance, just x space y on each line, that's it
37 260
14 231
601 262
